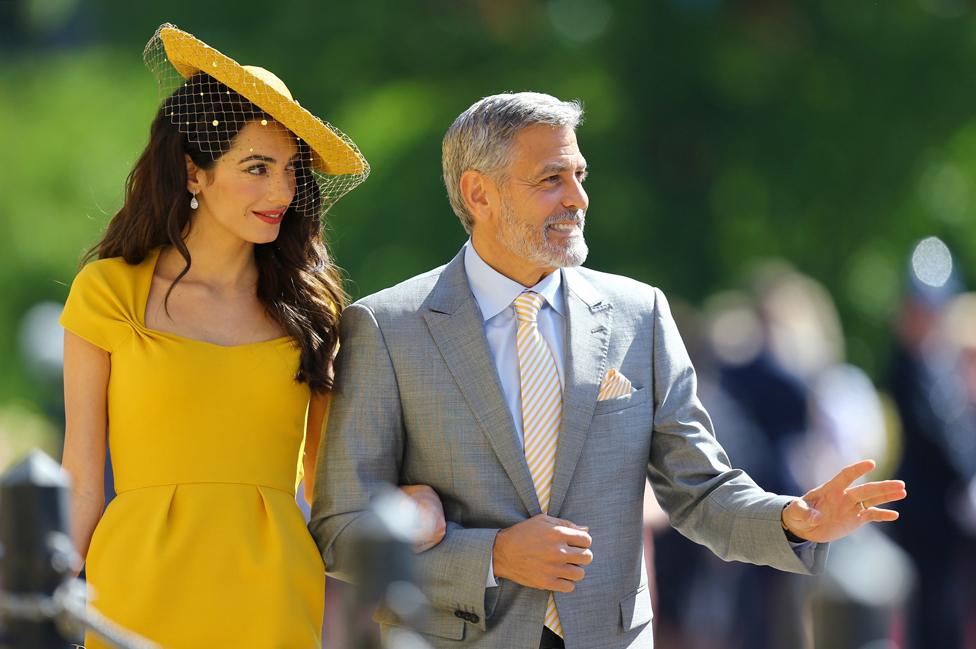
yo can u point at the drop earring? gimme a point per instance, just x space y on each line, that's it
194 203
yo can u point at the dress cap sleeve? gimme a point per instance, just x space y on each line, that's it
96 308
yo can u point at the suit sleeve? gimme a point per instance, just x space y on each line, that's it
361 454
708 501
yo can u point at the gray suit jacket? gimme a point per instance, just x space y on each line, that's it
417 400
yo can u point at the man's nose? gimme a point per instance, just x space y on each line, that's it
575 197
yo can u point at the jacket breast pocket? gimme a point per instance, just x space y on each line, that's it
632 400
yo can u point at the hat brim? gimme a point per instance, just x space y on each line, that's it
331 154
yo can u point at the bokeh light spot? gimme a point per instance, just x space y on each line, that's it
932 262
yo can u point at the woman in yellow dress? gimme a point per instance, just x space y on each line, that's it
198 347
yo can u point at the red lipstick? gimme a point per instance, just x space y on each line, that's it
272 216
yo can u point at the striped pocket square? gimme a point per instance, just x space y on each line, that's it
614 385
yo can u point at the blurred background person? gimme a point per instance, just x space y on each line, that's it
741 610
931 381
771 369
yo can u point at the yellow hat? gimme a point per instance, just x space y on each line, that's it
332 152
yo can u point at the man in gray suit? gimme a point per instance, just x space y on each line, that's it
534 396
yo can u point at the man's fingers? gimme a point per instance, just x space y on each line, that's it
574 537
875 515
877 493
875 489
801 514
562 522
578 556
555 521
570 572
562 585
874 502
850 473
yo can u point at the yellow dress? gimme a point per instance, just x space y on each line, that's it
204 546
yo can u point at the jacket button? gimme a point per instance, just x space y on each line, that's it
461 614
473 618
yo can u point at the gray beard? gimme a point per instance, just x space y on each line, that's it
532 244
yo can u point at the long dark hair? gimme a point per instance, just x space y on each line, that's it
298 284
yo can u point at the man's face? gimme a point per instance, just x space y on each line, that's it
543 203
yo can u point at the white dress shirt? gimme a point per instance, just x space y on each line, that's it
494 294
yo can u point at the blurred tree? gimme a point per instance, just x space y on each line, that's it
830 134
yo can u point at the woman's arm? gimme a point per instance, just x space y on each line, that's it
318 408
426 499
431 510
86 372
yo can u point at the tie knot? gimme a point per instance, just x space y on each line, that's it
527 306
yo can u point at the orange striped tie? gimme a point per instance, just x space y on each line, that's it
542 409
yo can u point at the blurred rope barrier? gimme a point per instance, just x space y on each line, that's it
68 608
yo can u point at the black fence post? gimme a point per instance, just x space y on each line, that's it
36 551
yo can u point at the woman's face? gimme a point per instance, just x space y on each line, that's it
250 187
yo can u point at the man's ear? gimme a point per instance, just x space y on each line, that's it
480 194
196 177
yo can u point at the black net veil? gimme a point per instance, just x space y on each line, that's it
211 98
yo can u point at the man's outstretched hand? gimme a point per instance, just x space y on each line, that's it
835 509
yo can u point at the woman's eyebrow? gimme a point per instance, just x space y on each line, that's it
265 158
261 158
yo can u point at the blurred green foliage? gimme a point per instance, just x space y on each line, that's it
831 134
24 428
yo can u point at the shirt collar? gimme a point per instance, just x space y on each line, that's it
494 292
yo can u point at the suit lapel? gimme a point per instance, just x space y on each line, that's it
457 327
589 317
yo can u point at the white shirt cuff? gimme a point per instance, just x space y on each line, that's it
491 582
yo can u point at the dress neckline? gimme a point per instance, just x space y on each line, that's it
142 303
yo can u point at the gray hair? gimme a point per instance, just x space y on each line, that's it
481 137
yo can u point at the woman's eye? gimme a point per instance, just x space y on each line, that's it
257 170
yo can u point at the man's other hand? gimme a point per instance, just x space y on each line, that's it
543 552
835 509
